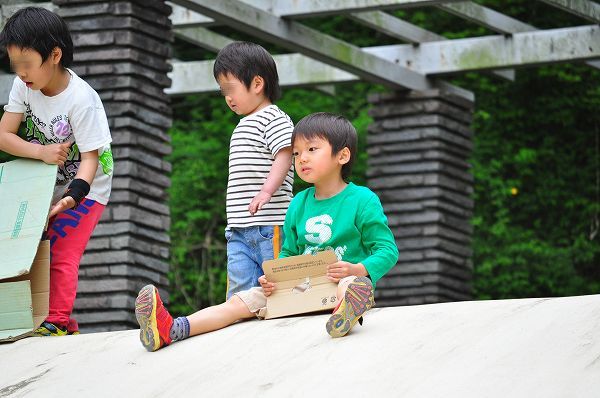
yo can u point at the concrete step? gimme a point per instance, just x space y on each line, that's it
506 348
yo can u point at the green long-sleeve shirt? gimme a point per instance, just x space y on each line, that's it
351 223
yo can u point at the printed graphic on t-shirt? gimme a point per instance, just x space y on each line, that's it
106 161
60 131
319 232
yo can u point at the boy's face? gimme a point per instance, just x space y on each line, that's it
314 161
239 98
31 68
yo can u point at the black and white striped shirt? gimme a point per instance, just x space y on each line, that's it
254 143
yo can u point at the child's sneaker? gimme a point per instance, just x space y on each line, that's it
357 300
50 329
154 319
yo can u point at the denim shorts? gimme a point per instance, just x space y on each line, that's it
247 248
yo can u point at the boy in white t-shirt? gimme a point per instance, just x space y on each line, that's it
65 125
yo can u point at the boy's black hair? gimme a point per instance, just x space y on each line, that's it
244 61
38 29
335 129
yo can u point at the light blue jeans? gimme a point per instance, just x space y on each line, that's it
247 248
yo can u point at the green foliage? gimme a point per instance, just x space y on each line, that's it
536 190
200 139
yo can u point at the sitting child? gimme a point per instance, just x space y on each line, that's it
331 215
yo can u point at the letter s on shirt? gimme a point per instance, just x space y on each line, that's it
318 229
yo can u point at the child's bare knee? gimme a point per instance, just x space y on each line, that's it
236 303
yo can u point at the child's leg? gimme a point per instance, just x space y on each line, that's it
158 328
69 234
355 296
241 264
219 316
247 248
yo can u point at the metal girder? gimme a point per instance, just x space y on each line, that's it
397 28
444 56
583 8
487 17
312 8
183 17
294 69
197 76
493 20
520 49
295 36
202 37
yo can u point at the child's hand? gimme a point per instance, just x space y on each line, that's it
259 201
62 205
342 269
55 153
268 287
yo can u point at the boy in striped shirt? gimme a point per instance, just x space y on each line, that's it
259 187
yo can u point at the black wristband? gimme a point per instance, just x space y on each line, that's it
78 189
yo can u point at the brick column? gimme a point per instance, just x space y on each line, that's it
121 50
419 145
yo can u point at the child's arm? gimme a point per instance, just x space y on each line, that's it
11 143
379 240
280 168
86 172
342 269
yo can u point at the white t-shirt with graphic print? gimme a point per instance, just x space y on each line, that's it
74 115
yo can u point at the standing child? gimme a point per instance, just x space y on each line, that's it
65 125
331 215
259 188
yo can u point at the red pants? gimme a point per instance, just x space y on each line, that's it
69 233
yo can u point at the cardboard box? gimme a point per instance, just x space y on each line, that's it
26 188
302 284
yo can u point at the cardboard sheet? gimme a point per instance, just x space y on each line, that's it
26 188
302 285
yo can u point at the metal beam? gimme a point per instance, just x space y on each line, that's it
487 17
197 76
399 29
295 36
313 8
183 17
442 57
493 20
480 53
395 27
203 37
582 8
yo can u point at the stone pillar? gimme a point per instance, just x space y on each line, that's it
419 145
122 50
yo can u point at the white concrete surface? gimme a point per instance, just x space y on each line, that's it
512 348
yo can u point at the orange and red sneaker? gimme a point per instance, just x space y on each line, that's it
357 300
154 319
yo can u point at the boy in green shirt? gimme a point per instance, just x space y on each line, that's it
331 215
